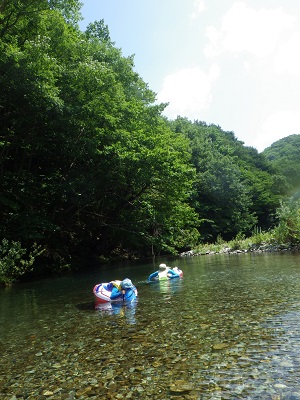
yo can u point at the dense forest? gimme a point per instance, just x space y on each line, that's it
90 168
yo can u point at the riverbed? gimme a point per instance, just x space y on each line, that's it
229 329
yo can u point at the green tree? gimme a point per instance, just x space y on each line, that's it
236 188
284 156
84 149
288 228
15 260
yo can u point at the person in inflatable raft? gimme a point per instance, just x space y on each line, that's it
164 272
119 288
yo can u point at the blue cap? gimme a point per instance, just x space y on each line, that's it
127 284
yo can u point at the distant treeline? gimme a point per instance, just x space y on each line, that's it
90 167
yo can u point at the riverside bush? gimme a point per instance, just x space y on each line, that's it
15 260
285 235
288 229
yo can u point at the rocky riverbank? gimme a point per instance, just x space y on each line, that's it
262 248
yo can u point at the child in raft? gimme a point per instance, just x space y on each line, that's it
164 272
118 288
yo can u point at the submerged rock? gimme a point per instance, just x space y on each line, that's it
181 387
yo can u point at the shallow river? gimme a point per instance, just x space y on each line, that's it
229 329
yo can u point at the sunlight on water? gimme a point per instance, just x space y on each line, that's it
229 329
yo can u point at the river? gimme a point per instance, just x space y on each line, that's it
229 329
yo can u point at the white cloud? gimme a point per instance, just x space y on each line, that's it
252 84
287 59
243 28
276 126
188 91
199 6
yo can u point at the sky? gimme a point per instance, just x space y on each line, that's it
235 64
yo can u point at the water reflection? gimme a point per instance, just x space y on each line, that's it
125 310
166 287
17 309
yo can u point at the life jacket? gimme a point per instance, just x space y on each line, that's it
163 275
117 284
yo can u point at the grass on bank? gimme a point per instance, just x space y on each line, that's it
240 242
286 235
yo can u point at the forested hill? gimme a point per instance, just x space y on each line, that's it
235 188
88 164
284 154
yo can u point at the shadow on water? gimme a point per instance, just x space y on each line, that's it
88 306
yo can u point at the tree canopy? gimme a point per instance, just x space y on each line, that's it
284 155
87 161
88 164
235 187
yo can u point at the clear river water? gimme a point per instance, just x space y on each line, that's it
229 329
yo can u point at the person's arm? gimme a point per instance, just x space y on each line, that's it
115 293
155 274
172 274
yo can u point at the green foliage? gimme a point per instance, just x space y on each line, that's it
88 165
258 236
284 156
288 229
285 235
15 260
235 244
86 160
234 188
98 30
220 241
